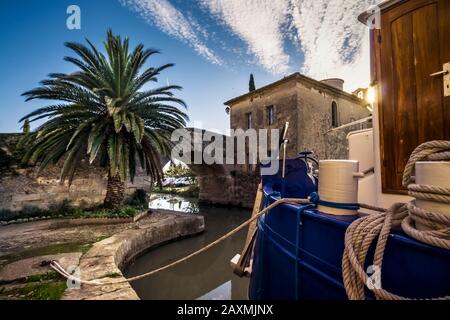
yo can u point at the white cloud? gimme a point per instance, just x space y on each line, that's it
168 19
260 24
326 32
334 42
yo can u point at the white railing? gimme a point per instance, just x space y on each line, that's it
350 124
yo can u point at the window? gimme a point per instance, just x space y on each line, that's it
334 115
249 120
361 95
270 112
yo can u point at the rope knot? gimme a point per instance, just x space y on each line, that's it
314 198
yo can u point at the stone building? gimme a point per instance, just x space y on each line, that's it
362 93
320 115
314 109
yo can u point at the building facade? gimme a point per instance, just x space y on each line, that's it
319 113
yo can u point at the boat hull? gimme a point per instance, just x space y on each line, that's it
298 254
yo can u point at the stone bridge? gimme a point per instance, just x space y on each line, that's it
228 184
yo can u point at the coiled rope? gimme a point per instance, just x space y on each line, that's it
362 232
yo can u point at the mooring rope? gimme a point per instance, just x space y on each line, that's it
362 232
58 268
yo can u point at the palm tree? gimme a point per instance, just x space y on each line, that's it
103 114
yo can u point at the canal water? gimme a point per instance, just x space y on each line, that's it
207 276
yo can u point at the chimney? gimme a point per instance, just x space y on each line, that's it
335 82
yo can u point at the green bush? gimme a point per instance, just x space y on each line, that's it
11 153
49 276
44 291
5 161
77 213
125 212
139 199
7 215
137 203
61 208
29 211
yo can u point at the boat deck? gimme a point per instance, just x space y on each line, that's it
298 255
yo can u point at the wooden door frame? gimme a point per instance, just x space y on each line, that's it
381 51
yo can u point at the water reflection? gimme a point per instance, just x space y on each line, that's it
207 276
174 203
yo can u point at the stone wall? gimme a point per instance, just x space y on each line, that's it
229 185
334 148
26 188
316 132
220 184
20 187
284 99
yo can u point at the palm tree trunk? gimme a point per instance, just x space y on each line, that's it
114 192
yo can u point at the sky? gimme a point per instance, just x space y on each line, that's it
215 45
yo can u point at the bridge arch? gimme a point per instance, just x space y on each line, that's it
220 184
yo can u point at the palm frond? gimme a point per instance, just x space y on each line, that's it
103 114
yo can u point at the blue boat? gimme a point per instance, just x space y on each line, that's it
298 253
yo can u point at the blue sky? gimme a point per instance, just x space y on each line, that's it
215 45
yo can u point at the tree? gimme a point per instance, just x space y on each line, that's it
251 84
180 171
26 126
103 114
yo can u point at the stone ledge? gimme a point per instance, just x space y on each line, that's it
74 222
110 255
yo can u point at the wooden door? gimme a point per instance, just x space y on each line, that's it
413 43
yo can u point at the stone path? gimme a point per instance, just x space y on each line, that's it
20 237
